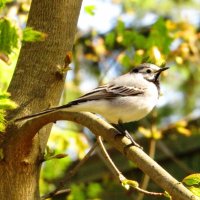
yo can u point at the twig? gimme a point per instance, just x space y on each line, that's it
109 161
70 175
59 192
146 178
119 175
157 194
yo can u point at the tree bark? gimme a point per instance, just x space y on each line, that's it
36 85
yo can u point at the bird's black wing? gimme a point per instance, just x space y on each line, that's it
107 92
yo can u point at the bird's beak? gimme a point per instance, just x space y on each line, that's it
158 72
162 69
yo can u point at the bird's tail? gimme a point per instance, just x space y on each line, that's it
53 109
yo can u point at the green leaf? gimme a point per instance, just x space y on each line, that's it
3 3
90 9
50 154
5 104
159 36
2 121
195 190
192 182
193 179
129 183
31 35
125 60
120 28
132 38
8 36
110 39
77 192
94 190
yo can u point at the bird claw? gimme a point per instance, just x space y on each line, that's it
133 142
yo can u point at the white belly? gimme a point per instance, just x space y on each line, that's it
126 109
132 111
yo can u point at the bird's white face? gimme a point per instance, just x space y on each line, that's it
149 72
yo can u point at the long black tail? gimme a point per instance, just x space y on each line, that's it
53 109
87 97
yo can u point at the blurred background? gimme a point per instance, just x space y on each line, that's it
113 36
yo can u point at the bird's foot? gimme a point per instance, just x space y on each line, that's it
133 142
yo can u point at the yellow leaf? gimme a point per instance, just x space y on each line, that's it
140 52
156 134
181 123
145 132
171 25
156 55
184 131
179 60
153 133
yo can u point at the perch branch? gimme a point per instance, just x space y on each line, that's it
102 128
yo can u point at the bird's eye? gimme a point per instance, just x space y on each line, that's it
148 71
135 70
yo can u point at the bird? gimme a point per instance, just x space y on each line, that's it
127 98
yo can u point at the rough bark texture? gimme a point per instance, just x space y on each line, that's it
35 86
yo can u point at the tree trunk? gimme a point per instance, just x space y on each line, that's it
35 86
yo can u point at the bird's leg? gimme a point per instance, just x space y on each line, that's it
125 133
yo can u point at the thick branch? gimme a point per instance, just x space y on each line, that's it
36 83
100 127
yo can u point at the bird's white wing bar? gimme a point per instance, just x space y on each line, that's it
109 92
124 90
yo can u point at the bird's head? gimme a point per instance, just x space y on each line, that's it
149 71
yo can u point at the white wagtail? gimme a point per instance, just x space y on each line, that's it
127 98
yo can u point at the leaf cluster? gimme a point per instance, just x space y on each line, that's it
5 104
8 36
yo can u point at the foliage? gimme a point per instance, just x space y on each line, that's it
192 182
90 9
31 35
79 192
8 36
5 104
3 3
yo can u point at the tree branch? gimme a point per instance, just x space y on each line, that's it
145 180
102 128
122 179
